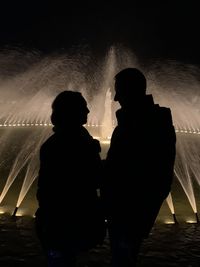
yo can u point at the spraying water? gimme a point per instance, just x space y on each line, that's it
30 81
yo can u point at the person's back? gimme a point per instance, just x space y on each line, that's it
139 164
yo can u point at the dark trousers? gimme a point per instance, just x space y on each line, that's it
58 258
124 249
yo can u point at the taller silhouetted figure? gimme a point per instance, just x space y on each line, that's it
69 218
139 166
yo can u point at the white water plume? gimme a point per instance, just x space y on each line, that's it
29 81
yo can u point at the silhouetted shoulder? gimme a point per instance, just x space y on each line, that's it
48 143
165 114
97 146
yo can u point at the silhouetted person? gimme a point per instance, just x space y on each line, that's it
139 166
69 217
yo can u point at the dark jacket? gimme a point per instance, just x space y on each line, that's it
70 169
139 166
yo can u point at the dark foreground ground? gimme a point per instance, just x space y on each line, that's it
167 246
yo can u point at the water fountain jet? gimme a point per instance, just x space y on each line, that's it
26 96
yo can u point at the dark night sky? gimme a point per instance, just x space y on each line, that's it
166 29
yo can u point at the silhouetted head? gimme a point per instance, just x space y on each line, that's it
130 84
69 108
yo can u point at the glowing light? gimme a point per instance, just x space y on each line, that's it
191 221
45 124
169 222
105 142
19 214
2 211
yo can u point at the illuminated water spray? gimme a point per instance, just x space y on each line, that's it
33 167
107 121
26 94
171 206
